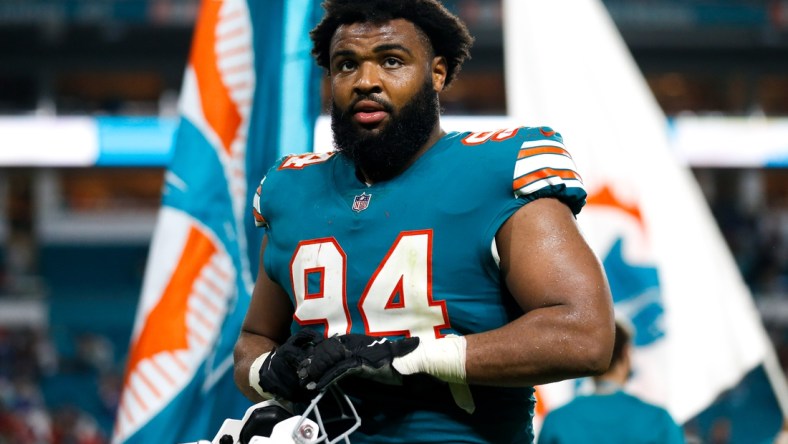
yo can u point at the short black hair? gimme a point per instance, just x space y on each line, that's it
447 34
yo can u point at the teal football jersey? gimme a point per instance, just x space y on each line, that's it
413 256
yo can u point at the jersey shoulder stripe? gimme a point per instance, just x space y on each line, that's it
543 167
534 147
543 159
259 220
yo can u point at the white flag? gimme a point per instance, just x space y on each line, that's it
698 331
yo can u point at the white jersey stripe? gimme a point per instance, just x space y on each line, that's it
540 161
548 181
541 142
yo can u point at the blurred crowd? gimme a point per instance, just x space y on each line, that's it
752 213
35 408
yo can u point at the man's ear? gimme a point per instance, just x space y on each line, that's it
439 71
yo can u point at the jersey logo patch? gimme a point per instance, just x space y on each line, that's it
361 202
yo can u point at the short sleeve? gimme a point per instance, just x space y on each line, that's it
544 168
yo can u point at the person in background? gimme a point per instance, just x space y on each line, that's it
610 415
435 276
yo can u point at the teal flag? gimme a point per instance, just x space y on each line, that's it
250 94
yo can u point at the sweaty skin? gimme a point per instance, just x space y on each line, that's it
389 62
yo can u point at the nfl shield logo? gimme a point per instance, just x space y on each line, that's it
361 202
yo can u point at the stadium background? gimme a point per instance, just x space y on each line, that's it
75 239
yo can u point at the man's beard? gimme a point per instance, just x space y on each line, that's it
383 155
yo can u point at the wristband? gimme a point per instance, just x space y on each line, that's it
254 376
442 358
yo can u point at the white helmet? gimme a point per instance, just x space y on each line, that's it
275 420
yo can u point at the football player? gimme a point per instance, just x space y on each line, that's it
436 276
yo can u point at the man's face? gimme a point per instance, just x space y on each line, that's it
385 85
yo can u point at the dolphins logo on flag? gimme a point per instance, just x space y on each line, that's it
629 264
198 263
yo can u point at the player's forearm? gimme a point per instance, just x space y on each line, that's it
546 345
247 349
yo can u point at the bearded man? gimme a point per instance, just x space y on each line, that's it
435 277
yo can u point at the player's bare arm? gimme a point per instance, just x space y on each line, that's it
266 325
567 330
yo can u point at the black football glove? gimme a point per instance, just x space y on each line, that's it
353 354
279 373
